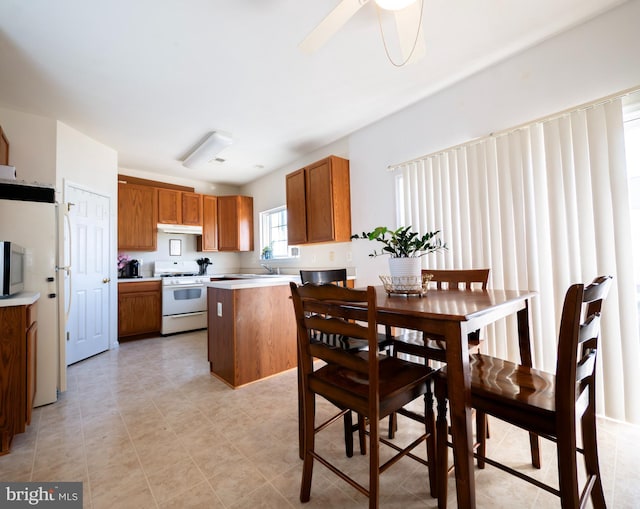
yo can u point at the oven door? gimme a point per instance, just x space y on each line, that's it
180 300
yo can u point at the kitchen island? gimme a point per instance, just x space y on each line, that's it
251 328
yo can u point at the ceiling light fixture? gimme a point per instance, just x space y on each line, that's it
408 22
393 5
208 149
408 15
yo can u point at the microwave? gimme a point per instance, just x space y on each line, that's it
12 269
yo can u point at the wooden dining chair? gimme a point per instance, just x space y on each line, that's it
541 403
369 382
385 340
432 348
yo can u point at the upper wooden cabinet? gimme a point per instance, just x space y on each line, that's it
137 217
178 207
4 148
235 223
296 208
208 241
319 202
192 209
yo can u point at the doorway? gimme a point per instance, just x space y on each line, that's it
87 252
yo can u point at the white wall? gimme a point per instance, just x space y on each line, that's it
93 166
199 186
269 192
32 150
46 151
588 62
32 145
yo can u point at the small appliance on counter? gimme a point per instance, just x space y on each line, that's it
133 269
12 268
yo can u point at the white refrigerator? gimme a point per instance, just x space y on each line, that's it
37 227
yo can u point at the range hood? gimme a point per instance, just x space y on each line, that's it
22 191
180 228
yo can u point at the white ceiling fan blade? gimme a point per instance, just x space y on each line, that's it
408 20
331 24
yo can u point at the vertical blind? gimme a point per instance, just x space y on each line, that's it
544 206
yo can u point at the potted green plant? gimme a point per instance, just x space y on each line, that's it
267 253
405 247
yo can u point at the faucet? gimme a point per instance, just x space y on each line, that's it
270 269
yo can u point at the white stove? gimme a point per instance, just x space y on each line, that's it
184 296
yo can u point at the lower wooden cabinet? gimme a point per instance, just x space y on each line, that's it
18 344
139 308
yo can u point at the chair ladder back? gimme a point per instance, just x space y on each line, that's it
577 344
334 301
317 277
459 279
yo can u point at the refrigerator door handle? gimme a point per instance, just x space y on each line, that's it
67 268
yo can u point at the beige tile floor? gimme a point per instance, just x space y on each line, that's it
146 425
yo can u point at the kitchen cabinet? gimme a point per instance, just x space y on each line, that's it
178 207
139 308
235 223
4 148
18 346
137 217
192 209
296 208
251 333
208 241
319 202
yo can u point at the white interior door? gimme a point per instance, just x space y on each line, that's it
88 324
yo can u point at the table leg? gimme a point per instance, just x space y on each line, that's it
524 342
459 391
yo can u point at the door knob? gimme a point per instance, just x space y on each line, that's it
106 280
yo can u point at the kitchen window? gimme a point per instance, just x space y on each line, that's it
273 234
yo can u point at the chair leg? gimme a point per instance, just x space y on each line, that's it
567 468
430 430
442 454
362 434
393 425
374 464
481 437
534 442
348 434
309 445
590 446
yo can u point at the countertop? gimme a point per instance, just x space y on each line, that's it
134 279
20 299
249 282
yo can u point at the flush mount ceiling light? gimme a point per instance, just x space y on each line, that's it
408 20
208 149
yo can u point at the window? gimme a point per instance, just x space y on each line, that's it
273 233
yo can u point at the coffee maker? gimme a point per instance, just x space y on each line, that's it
133 268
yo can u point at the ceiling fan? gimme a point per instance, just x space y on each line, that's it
408 21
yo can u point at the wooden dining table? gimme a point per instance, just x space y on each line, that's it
453 314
